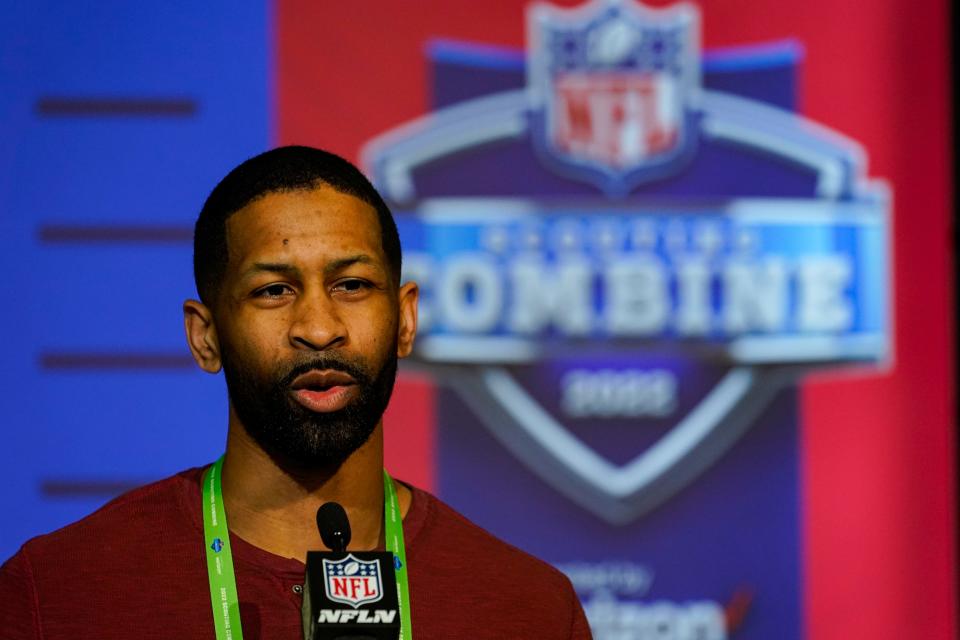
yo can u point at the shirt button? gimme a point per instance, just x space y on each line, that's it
298 589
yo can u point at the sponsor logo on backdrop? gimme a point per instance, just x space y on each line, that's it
611 593
620 340
352 581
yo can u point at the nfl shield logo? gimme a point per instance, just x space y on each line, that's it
612 90
352 581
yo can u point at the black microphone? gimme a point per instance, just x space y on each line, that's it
334 526
348 595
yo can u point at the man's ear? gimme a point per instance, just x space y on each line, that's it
407 327
201 335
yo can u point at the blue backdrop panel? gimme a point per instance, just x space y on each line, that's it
116 119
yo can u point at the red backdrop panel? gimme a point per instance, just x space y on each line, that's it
877 448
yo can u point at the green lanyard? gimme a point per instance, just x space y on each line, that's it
223 583
393 527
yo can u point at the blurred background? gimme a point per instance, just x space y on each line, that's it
688 313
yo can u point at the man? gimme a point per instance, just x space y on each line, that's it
297 263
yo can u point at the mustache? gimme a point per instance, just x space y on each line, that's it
328 362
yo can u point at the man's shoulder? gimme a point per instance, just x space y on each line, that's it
89 578
464 579
135 519
449 536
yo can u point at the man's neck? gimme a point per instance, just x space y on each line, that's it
274 506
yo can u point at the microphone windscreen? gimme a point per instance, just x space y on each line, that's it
334 526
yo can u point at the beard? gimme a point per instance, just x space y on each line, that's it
287 430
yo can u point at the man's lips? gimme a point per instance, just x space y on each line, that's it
324 391
332 399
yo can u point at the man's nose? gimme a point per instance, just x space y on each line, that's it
316 323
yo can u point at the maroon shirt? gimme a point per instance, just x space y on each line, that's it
136 569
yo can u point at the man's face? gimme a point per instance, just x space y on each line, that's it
308 323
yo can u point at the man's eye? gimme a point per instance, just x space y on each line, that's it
272 291
352 286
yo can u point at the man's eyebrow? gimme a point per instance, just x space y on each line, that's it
271 267
343 263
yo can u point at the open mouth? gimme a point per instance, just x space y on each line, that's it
324 391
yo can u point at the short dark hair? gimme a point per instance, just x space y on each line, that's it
283 169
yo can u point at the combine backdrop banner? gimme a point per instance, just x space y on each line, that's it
686 309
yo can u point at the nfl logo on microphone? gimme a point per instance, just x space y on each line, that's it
352 581
362 580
